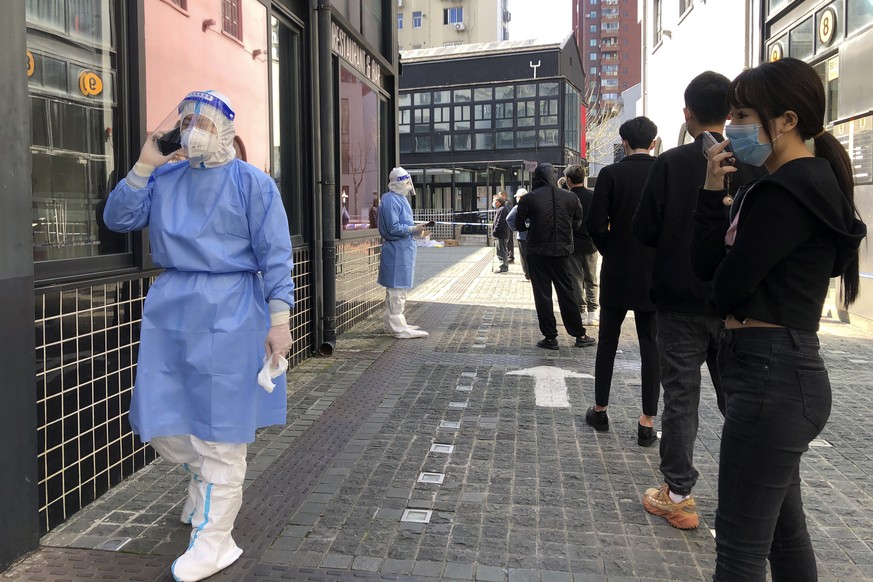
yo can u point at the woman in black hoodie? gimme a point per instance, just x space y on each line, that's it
771 265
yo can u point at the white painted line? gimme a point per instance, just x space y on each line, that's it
441 448
550 386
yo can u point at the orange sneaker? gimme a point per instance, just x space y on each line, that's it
681 515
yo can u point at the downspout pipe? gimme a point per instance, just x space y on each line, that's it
327 186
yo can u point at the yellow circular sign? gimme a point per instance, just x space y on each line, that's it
90 83
827 26
30 64
775 52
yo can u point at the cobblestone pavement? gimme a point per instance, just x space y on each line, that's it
527 492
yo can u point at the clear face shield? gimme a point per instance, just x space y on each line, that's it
192 129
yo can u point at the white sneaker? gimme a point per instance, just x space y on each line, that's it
594 317
586 320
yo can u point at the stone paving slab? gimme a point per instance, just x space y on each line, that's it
528 492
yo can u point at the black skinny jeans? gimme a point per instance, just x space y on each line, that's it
778 399
611 319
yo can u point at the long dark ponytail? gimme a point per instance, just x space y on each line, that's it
791 84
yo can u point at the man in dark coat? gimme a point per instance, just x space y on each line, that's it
583 261
626 275
554 215
688 327
500 232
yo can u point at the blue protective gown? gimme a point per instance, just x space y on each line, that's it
222 235
397 261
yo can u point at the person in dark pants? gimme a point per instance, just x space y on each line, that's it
688 327
510 245
550 215
626 275
771 262
583 261
522 236
500 232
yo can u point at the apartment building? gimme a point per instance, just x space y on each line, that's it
608 32
423 24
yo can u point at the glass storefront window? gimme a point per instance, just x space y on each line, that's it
548 89
421 98
526 138
462 141
462 117
483 141
548 112
404 100
504 92
359 154
442 96
860 14
462 95
442 142
548 137
287 135
482 116
71 76
504 140
528 90
483 94
800 40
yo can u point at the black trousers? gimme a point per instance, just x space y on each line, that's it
545 272
611 319
778 399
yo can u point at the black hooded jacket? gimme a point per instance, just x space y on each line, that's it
554 215
795 231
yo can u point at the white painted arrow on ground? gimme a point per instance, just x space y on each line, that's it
550 386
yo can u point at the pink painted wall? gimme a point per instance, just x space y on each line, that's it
181 57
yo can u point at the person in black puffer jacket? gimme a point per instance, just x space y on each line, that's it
550 215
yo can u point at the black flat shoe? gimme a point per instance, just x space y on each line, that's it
548 343
646 436
598 420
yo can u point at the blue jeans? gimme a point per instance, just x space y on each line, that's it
685 341
778 399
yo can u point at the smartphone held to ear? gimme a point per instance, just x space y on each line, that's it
710 140
170 141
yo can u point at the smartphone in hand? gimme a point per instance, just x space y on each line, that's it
710 140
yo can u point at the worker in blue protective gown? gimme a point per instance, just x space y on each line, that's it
397 260
220 307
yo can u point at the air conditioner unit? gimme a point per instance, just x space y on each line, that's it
460 26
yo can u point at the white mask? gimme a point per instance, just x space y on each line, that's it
198 144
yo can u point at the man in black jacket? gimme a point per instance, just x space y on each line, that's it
554 215
688 327
626 276
583 261
500 232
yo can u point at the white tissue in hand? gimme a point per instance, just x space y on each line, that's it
268 372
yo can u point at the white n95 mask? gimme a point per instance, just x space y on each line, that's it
198 143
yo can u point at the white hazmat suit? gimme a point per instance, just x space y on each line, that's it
397 260
219 230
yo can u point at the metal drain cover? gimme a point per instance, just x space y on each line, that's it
433 478
450 424
417 515
440 448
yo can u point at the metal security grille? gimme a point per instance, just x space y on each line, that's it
87 340
357 293
86 346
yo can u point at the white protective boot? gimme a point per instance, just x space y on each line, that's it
194 501
395 321
212 549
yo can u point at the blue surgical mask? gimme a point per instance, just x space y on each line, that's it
745 144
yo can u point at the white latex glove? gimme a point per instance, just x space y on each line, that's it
150 156
278 342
